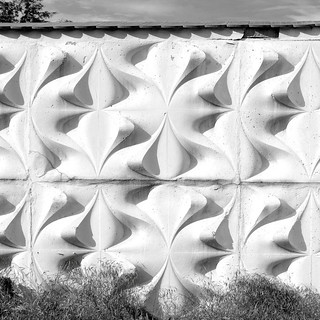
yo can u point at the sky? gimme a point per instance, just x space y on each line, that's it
184 10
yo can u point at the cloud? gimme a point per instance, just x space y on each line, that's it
184 10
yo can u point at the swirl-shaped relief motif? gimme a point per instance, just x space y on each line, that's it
14 227
13 119
282 233
170 82
16 95
281 120
156 111
73 227
162 111
81 128
172 235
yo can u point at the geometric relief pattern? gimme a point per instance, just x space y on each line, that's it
282 233
284 132
178 145
192 231
14 226
18 88
12 119
187 160
94 117
72 227
81 128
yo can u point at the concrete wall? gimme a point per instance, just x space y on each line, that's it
187 154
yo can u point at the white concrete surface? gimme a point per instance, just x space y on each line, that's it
189 154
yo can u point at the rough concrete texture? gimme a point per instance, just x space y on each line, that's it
188 154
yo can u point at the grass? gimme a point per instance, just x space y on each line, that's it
251 297
105 295
90 295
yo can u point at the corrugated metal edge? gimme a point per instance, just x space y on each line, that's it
152 25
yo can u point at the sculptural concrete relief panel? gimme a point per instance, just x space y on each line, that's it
186 156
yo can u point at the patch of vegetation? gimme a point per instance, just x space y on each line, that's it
20 11
90 295
252 297
106 295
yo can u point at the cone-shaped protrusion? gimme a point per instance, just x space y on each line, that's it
166 157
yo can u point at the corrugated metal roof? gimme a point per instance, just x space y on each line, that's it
153 25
